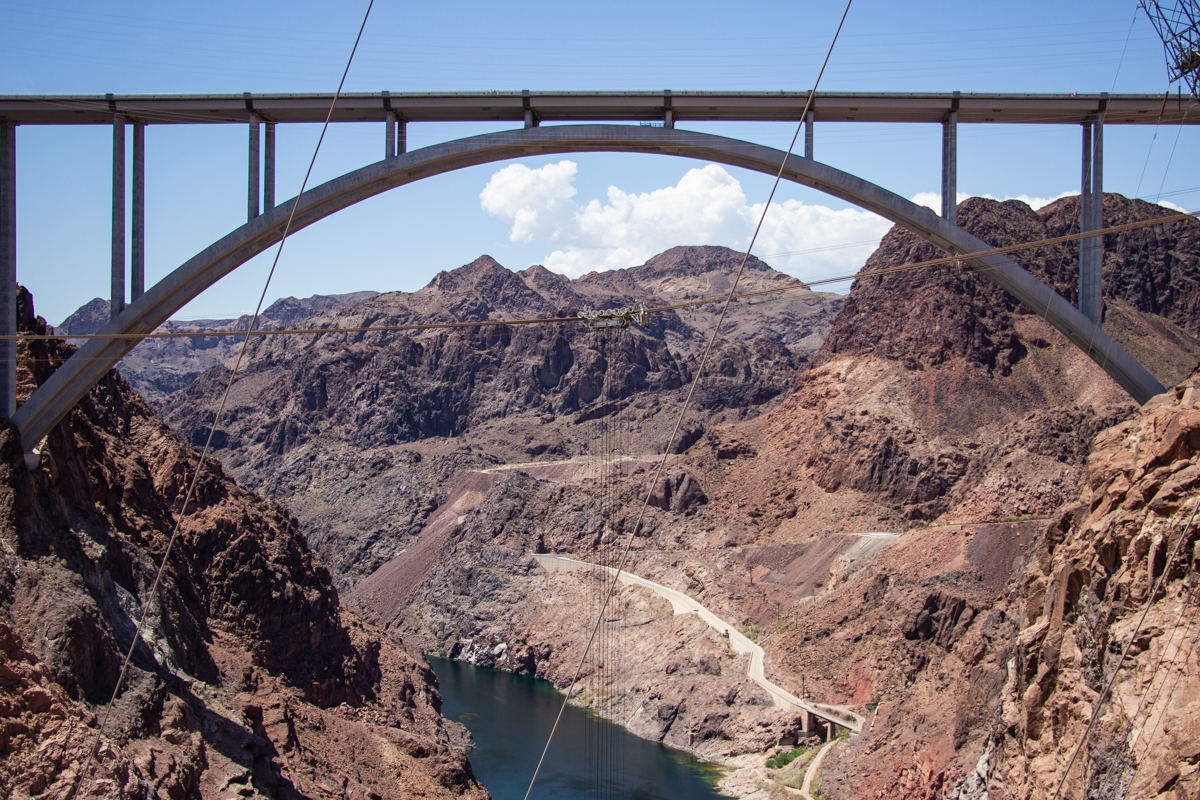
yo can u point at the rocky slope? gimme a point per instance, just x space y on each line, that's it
937 407
158 367
1127 547
356 433
250 679
1154 270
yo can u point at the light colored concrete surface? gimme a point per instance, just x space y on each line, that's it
59 394
741 644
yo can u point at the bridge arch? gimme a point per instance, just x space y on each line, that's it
55 398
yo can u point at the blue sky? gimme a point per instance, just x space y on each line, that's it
590 211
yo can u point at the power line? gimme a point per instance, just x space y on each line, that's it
978 254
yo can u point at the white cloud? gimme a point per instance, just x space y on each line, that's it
707 206
934 199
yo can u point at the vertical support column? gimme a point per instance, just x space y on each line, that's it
808 135
8 268
269 168
668 111
527 103
389 135
1086 219
1097 257
137 257
951 163
117 296
252 174
401 137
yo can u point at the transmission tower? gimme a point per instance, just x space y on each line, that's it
1178 25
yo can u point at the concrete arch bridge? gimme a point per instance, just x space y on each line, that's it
54 399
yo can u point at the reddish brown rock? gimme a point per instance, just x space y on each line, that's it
248 677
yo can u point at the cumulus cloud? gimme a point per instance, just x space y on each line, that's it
934 199
706 206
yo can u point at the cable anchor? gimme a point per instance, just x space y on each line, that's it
616 317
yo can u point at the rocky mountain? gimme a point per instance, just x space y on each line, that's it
1153 270
250 678
1115 569
405 411
938 410
158 367
932 509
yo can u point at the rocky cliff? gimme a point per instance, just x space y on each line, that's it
249 678
357 433
881 516
1115 569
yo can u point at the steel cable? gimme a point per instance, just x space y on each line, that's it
84 773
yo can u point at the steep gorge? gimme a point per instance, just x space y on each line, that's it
936 407
250 678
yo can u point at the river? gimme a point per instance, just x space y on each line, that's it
510 717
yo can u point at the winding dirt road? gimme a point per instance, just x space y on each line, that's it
741 644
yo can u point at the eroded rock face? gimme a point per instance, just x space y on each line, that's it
1152 269
937 393
358 433
249 677
1081 600
483 599
158 367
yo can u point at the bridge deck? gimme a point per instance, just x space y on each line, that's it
929 107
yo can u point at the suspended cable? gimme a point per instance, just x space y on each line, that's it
979 254
84 773
687 401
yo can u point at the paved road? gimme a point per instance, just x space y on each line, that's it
682 604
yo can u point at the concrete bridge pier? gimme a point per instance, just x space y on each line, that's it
950 162
117 294
808 135
137 256
1091 217
395 136
254 167
8 268
268 166
831 729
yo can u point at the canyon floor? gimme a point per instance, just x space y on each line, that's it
1030 514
